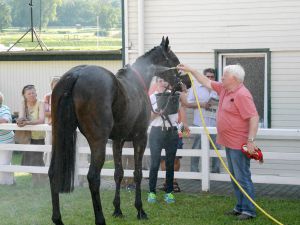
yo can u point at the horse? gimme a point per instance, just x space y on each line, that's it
104 106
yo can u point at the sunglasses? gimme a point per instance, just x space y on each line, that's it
27 87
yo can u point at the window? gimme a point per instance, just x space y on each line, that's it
256 64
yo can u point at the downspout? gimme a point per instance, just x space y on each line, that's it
125 47
141 48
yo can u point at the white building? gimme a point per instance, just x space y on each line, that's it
263 36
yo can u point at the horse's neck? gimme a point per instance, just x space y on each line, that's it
142 68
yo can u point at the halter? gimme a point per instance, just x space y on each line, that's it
140 78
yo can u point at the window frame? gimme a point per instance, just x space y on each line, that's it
220 60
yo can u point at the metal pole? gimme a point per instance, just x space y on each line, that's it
141 11
97 32
31 18
40 16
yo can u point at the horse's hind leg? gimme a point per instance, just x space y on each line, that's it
119 173
139 148
97 161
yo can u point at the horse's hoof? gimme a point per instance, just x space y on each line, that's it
57 222
118 214
100 223
142 215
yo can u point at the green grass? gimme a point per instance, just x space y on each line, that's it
109 164
16 158
23 204
64 39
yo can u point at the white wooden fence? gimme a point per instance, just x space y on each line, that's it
205 154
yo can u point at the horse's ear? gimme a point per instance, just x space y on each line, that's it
163 41
165 44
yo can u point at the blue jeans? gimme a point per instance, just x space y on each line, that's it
159 139
239 166
195 160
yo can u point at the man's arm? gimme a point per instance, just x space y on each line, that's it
189 100
253 127
199 77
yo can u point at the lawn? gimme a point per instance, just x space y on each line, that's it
65 39
23 204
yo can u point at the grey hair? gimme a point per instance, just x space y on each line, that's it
235 70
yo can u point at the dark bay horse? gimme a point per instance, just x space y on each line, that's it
103 106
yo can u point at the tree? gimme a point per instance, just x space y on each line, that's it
49 9
21 12
109 13
75 12
84 12
5 18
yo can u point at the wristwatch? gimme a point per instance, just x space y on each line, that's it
251 139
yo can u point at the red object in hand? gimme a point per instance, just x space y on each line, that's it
257 155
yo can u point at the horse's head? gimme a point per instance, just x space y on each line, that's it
164 65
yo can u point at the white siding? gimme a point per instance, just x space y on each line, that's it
14 75
132 30
196 28
285 89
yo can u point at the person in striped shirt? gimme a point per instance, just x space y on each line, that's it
6 137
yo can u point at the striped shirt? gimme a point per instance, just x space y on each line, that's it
6 136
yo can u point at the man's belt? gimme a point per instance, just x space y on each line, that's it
211 110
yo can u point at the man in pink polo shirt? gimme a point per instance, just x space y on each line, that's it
237 124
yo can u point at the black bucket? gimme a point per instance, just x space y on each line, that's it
167 102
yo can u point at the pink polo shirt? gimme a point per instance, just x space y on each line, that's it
235 109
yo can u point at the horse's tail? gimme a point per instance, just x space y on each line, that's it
64 124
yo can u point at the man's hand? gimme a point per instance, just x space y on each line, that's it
185 68
206 105
251 147
199 77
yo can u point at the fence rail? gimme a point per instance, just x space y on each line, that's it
205 154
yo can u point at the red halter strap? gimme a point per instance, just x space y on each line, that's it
140 78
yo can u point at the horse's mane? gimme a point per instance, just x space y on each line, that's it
121 72
151 51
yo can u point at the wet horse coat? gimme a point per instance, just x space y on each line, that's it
103 106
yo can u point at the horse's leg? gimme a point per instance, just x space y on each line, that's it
139 145
119 174
97 161
56 216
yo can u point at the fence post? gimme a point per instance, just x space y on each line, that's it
205 162
48 141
